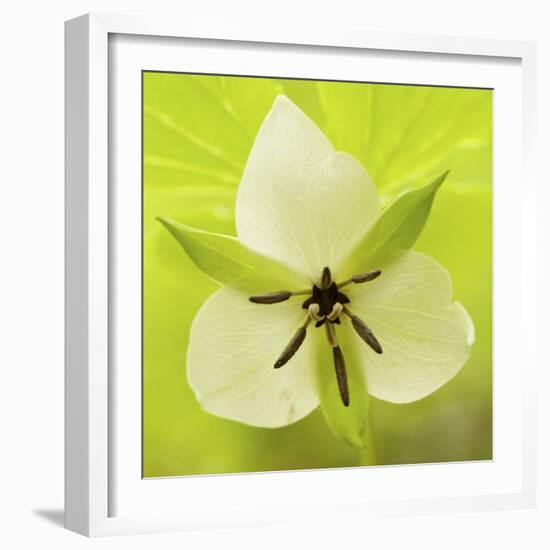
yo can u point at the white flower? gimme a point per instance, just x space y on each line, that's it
320 305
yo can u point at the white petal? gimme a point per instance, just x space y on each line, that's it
425 338
233 347
299 201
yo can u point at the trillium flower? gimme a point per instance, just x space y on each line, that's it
323 303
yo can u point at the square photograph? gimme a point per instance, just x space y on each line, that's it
316 274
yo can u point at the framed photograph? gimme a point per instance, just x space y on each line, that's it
297 276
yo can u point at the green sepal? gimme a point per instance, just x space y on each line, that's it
397 229
228 261
402 221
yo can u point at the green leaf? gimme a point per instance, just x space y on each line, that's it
348 116
307 96
227 261
347 423
415 133
250 99
405 134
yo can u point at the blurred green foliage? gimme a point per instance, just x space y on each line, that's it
198 131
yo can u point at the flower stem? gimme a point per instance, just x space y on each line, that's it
367 455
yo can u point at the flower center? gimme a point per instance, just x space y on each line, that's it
325 303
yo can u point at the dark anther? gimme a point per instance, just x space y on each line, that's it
341 375
364 331
364 277
292 347
339 364
361 278
271 297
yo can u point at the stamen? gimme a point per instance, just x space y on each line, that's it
326 278
331 335
364 277
339 365
293 346
271 297
336 310
278 296
361 278
313 311
364 332
341 375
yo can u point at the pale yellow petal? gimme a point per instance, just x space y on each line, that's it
425 337
299 201
230 361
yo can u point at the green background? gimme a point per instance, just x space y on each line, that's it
197 133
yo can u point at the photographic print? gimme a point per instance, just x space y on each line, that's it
317 274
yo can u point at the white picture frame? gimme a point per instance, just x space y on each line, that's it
98 499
